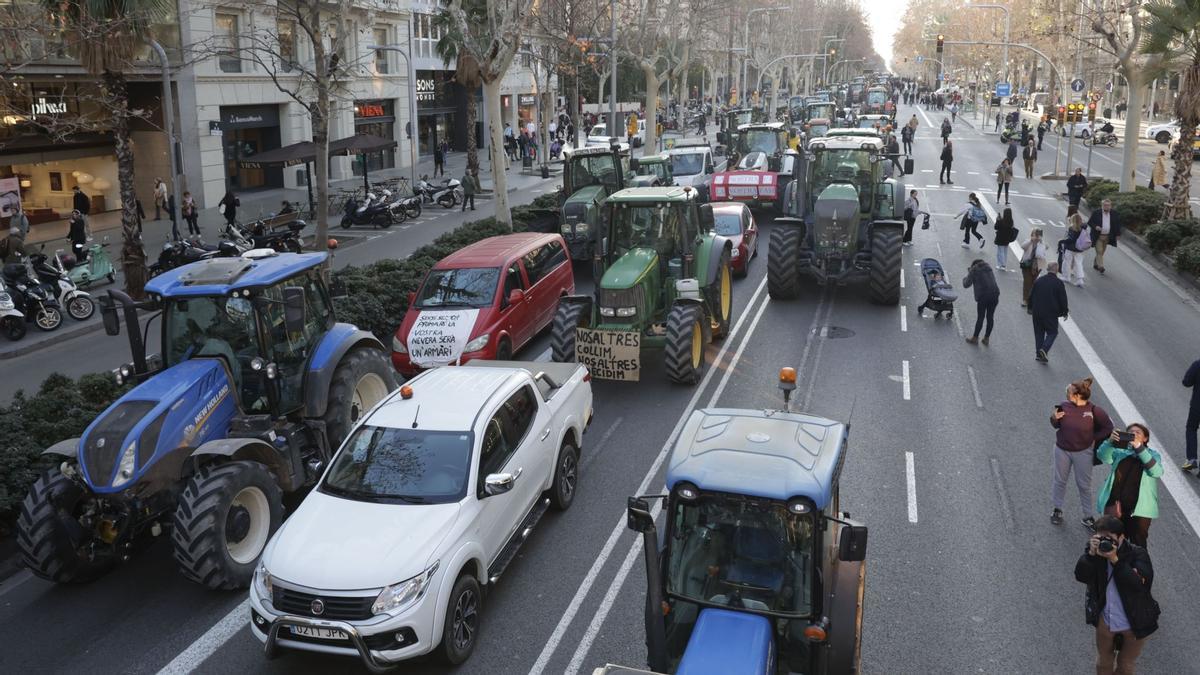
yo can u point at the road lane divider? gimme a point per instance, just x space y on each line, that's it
904 380
910 474
823 335
974 386
903 318
206 645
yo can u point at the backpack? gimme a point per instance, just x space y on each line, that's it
1084 241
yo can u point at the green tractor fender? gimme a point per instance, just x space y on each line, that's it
708 257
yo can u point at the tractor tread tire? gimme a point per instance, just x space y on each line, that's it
45 548
677 352
562 331
198 533
886 260
355 364
720 326
783 269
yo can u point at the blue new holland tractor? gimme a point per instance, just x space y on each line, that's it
256 387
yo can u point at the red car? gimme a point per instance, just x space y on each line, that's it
484 301
735 221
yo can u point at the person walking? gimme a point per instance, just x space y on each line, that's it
1191 428
1004 176
1006 233
1047 303
190 213
970 218
1076 185
1078 241
999 121
912 209
1029 155
947 158
470 186
18 230
160 198
1118 575
1104 228
1158 173
946 129
1033 261
913 124
906 135
987 296
1080 426
439 161
1131 490
228 207
1043 126
1012 151
81 202
77 234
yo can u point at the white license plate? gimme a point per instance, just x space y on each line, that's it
743 191
319 633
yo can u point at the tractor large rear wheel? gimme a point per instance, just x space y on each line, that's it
783 263
54 546
720 298
361 380
886 260
688 334
225 517
567 318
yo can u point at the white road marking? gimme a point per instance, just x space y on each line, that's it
902 277
904 379
972 173
903 319
606 551
926 170
911 478
594 452
939 248
958 324
974 386
206 645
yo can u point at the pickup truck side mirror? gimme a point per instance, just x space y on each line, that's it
516 296
500 483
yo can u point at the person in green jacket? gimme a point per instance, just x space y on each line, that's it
470 185
1131 491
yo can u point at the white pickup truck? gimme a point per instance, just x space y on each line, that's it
421 509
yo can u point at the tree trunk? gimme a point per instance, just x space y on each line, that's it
491 98
133 255
652 85
573 108
319 117
1186 108
472 137
1133 126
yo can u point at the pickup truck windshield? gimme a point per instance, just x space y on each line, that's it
381 464
736 552
687 164
758 140
468 287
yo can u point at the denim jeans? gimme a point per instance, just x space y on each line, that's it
1002 255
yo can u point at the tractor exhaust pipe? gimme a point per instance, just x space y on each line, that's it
641 520
112 325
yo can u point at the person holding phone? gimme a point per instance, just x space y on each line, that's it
1131 491
1118 575
1080 425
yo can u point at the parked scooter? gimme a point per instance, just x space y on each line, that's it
31 299
97 266
178 253
449 194
371 211
256 235
402 208
12 321
78 304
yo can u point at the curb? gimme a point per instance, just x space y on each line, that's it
59 336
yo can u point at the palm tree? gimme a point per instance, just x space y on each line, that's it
1172 31
466 66
107 36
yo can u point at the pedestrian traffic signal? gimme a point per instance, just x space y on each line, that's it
1091 111
940 40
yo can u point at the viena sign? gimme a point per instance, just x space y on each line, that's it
42 107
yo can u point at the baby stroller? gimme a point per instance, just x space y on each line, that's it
941 294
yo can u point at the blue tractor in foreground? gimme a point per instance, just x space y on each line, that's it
256 387
758 570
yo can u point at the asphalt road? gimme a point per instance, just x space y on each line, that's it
965 573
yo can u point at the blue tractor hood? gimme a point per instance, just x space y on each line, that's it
726 641
183 406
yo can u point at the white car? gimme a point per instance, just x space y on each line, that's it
693 164
421 509
598 136
1163 133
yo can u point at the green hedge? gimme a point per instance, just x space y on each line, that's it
1098 189
1137 210
62 408
1165 236
1187 255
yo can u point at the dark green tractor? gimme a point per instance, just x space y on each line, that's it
843 220
590 175
664 281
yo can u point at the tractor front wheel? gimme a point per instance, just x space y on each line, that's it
54 546
720 298
783 263
225 516
567 318
886 260
688 334
361 380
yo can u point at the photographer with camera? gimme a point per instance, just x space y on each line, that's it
1118 575
1131 491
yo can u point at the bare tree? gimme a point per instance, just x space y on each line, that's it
1121 28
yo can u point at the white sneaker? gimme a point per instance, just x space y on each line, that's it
1002 268
966 246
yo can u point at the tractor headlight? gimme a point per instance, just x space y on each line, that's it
6 303
607 311
626 311
398 345
478 343
263 582
404 593
126 467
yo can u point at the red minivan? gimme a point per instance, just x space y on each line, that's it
484 301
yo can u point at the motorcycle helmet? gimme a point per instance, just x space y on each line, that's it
67 260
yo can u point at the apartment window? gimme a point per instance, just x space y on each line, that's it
381 55
287 45
225 37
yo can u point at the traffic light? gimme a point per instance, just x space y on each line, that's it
833 51
1091 111
941 38
1062 114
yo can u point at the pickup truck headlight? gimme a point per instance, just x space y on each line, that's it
400 594
263 583
398 345
478 343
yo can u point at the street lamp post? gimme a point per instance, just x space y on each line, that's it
168 113
746 41
412 103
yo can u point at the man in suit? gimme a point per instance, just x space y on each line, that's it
1105 228
1047 303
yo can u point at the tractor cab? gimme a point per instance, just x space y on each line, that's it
650 171
590 175
797 109
824 109
877 101
754 545
734 119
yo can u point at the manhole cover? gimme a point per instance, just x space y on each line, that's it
834 332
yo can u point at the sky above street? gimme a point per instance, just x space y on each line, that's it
884 17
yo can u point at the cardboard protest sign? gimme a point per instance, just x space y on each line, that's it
438 337
610 354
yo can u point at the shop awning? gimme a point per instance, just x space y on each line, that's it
289 155
361 144
41 148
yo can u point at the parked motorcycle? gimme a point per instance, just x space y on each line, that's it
371 211
12 321
97 266
31 298
256 235
78 304
178 253
402 208
449 194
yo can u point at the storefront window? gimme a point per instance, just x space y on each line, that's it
287 45
376 118
225 36
381 55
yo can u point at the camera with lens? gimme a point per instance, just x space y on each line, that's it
1106 545
1124 438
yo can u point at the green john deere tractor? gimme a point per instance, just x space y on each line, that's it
650 171
663 282
590 175
843 220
